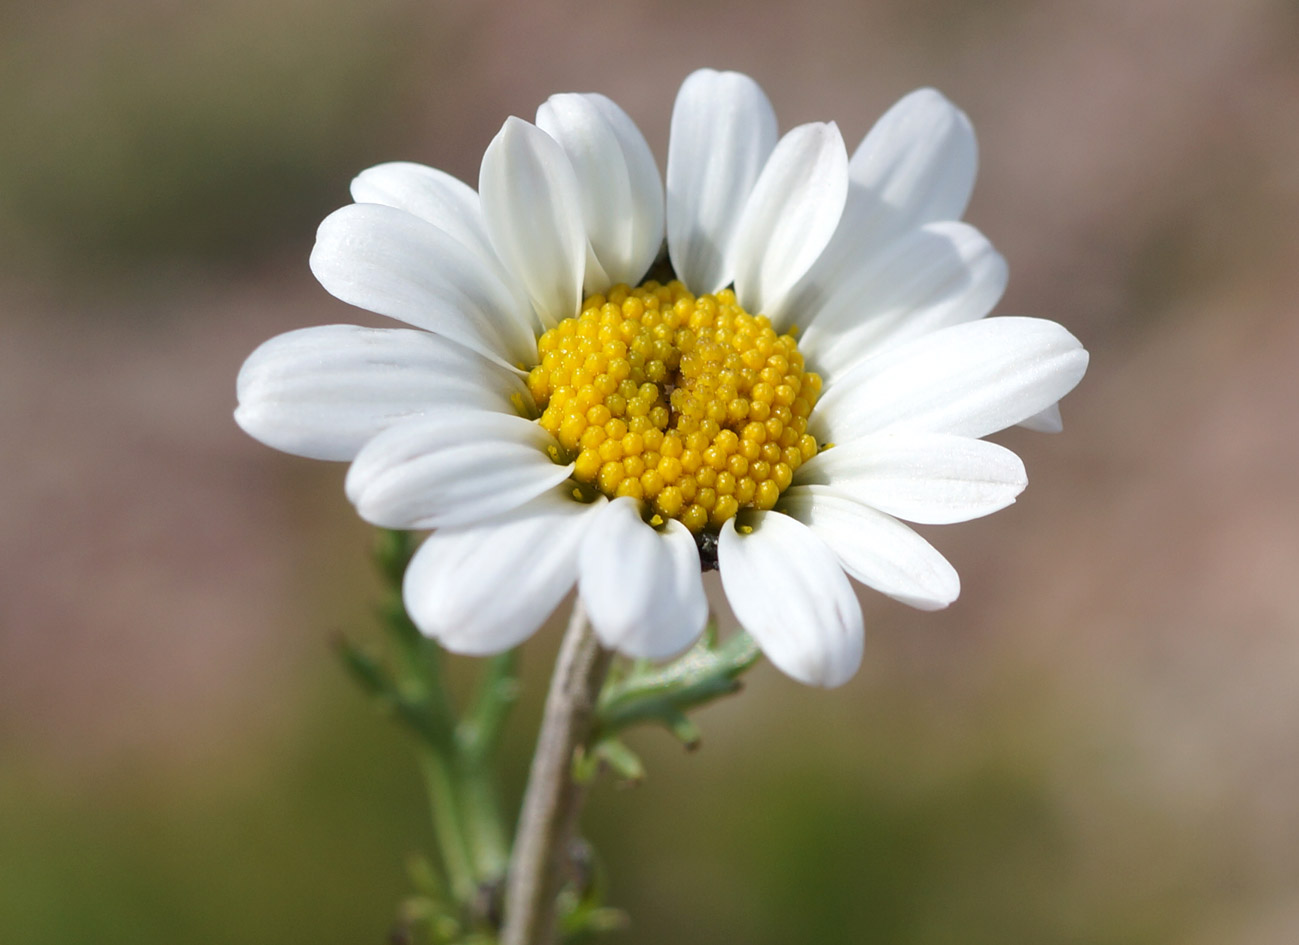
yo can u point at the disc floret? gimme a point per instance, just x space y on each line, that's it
688 403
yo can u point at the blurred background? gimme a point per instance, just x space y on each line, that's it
1097 745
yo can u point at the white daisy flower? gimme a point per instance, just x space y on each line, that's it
554 427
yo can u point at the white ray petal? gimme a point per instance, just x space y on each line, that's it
875 548
454 585
621 191
971 380
788 590
919 160
723 130
790 215
916 166
931 478
432 195
387 261
641 587
1045 421
323 392
933 277
451 467
532 207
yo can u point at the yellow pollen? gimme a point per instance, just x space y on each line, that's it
690 404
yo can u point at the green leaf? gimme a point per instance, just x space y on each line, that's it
622 761
663 695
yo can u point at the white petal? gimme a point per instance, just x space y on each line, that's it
432 195
875 548
919 161
451 467
388 261
487 587
723 130
1045 421
933 277
916 166
971 380
533 210
642 588
790 215
621 191
789 592
931 478
323 392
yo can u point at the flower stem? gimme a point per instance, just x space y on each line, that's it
452 845
478 737
553 799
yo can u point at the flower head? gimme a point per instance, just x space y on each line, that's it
556 418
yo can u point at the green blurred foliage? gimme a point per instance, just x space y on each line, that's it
195 135
305 847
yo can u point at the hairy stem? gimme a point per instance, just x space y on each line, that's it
553 799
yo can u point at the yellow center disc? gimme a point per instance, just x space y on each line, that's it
690 404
